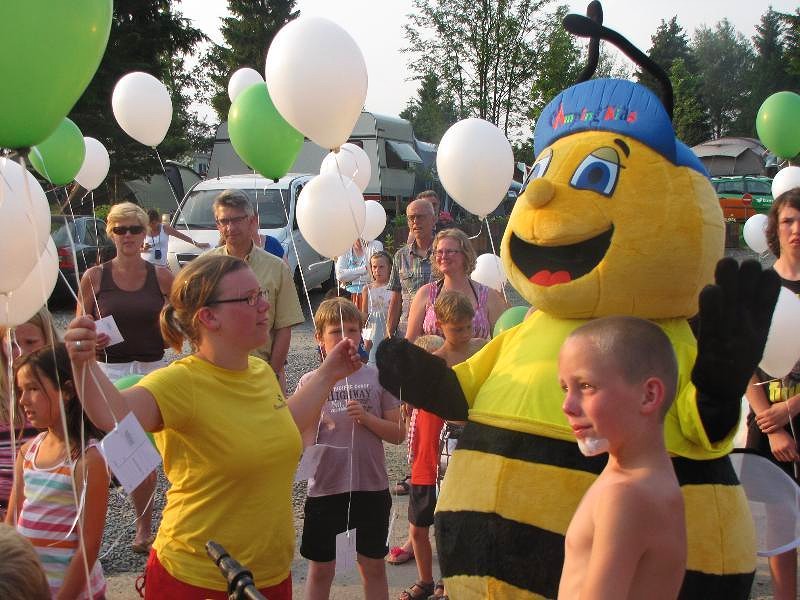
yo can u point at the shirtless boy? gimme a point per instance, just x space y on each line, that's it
628 537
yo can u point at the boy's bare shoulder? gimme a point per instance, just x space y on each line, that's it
645 496
476 344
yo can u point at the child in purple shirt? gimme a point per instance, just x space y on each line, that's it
349 492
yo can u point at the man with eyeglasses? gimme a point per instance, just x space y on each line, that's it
412 265
236 219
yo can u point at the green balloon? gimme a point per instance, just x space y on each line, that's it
778 124
510 318
59 158
51 51
123 383
260 135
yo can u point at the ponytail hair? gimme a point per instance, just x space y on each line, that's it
194 286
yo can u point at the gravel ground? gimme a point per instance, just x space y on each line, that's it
116 554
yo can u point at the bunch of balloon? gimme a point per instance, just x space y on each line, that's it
349 161
476 165
317 78
510 318
30 264
786 179
331 214
755 233
782 350
260 135
142 107
52 52
374 221
490 272
778 124
95 165
59 158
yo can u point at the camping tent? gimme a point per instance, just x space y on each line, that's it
732 156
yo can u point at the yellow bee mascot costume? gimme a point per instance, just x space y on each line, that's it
617 217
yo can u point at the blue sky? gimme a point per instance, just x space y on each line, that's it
377 27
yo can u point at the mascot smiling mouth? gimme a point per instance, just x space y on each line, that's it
551 265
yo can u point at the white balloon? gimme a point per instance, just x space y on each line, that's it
375 221
25 218
330 214
95 165
350 161
754 233
142 107
786 179
241 80
19 305
475 165
317 79
783 344
489 271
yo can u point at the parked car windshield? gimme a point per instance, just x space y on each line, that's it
58 231
197 210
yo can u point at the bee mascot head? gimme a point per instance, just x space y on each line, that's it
617 216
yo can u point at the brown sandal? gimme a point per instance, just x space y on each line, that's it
419 591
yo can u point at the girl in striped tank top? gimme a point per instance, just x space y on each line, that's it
53 473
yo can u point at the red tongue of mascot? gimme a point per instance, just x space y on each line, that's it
617 218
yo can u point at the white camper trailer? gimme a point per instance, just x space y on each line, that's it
388 141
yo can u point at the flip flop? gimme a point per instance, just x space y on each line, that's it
398 556
418 591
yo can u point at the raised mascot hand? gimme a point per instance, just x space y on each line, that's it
420 378
735 315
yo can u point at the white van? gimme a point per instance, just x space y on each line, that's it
269 198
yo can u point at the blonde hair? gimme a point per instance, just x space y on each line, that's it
21 574
328 312
429 343
465 246
192 289
453 307
44 321
124 211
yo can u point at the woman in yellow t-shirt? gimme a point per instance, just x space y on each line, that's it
229 441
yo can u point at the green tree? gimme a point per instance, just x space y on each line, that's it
432 111
769 73
248 33
690 116
792 45
483 52
668 44
724 59
558 64
146 35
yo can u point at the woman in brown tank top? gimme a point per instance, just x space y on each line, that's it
132 291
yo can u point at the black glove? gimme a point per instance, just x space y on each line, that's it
425 380
734 320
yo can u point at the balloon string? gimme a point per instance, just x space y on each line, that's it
172 189
497 264
297 257
65 431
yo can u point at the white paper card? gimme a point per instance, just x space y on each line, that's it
311 459
108 326
129 453
309 462
346 551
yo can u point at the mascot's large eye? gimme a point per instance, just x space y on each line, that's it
538 169
598 172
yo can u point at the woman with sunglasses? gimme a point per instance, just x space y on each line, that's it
453 261
229 439
132 291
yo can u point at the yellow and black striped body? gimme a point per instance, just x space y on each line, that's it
517 476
